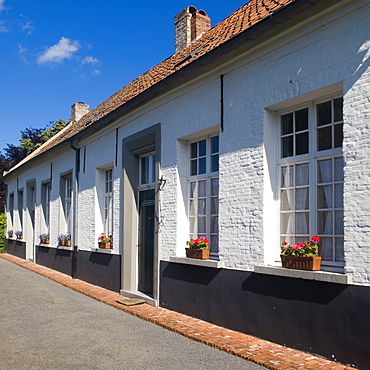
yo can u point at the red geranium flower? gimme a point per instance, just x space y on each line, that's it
316 239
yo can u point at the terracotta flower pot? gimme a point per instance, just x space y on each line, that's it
65 243
301 263
201 254
104 245
45 241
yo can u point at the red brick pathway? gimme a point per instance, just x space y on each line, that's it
268 354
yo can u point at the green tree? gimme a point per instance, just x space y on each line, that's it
31 139
2 231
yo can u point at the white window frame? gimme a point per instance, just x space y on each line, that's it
66 198
108 202
46 196
208 177
148 161
312 157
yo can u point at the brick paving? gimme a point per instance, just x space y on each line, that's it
262 352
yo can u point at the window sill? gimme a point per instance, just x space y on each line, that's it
60 247
328 277
196 262
101 250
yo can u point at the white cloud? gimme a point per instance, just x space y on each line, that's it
2 5
90 60
22 51
64 49
2 27
28 28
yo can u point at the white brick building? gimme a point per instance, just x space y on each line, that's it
249 137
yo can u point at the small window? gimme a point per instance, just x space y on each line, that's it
108 202
147 170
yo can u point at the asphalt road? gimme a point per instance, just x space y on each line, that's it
44 325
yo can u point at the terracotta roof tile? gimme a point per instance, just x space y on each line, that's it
246 16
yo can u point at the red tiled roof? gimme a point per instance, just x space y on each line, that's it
245 17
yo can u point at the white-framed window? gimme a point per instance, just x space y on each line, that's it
147 170
311 176
11 211
45 202
20 209
66 202
203 190
108 202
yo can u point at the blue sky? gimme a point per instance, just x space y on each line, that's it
55 53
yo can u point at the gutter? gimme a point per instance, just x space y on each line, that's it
252 33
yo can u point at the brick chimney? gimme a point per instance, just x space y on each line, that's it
79 110
190 24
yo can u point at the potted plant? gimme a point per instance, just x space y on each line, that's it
302 255
105 241
44 239
10 233
198 248
64 240
19 234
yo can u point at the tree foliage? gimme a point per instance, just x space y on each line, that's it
30 140
2 230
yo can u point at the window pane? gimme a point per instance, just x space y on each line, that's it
152 180
301 143
338 135
324 113
214 144
338 109
301 223
287 177
192 189
193 167
301 199
338 169
202 148
339 249
214 224
201 189
324 196
286 200
287 146
301 119
214 187
326 248
324 138
192 226
325 222
338 195
201 206
201 225
193 150
324 171
214 163
287 223
202 165
301 174
214 206
339 224
214 243
192 207
287 124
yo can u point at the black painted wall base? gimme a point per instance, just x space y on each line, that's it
15 247
328 319
99 269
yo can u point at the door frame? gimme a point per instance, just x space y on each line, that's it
134 147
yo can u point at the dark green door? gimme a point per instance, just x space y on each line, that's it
146 240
